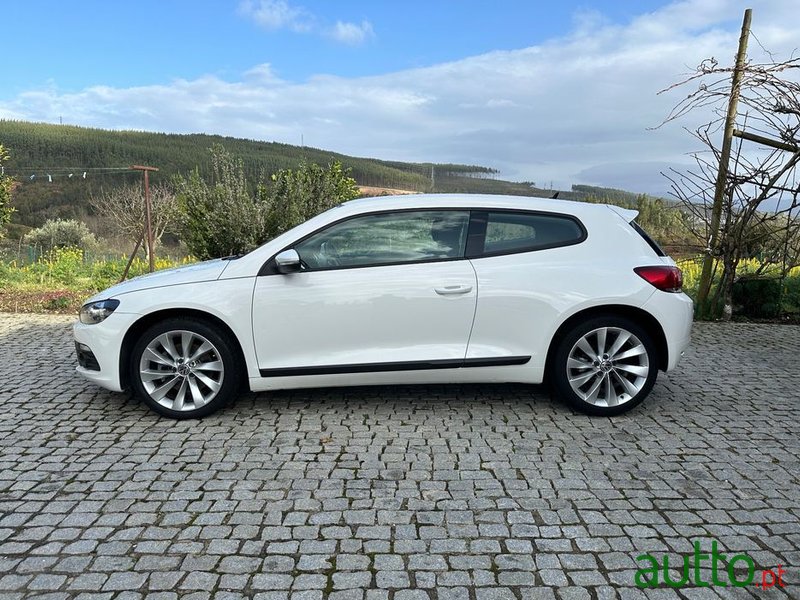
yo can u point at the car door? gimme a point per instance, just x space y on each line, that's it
376 292
525 265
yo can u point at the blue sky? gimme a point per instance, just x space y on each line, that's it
563 92
78 43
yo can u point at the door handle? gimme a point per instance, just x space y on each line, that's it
453 290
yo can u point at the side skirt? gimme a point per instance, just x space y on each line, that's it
421 365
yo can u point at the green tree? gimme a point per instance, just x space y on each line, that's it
223 217
295 196
220 217
662 221
6 184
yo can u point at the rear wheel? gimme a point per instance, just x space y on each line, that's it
184 368
605 365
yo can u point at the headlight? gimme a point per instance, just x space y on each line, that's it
96 312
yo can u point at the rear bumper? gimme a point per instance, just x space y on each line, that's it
675 312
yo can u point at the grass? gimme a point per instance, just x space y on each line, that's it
61 280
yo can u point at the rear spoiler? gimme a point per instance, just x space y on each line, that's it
626 213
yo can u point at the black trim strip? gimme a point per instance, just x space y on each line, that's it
476 235
496 361
421 365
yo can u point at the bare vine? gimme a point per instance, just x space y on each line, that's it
760 215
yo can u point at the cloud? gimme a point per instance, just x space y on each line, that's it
575 109
276 14
352 34
262 74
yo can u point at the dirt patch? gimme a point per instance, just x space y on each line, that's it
368 191
33 301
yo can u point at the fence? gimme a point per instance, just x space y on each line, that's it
24 254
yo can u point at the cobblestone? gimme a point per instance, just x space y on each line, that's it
488 492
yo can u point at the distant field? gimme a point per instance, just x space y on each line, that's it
369 191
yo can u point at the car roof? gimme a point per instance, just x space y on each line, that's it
483 201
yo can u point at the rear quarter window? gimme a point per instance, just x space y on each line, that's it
511 232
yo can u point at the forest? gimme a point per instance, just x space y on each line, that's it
59 167
48 163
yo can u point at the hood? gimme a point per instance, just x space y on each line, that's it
204 271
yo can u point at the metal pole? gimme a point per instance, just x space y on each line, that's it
722 174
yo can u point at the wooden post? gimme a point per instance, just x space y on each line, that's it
147 212
722 174
130 259
760 139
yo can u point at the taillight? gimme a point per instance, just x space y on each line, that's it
665 278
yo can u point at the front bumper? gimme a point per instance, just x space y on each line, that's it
104 341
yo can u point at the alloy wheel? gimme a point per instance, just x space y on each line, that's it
608 366
181 370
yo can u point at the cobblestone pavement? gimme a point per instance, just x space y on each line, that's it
406 493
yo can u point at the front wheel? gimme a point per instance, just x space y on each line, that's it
184 368
605 366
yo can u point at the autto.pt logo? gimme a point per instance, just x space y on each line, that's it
738 570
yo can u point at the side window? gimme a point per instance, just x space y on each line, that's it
509 232
387 238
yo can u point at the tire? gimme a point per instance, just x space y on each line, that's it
185 382
609 382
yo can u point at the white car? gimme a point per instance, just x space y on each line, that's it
396 290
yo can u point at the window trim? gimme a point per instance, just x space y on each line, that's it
647 238
475 252
270 268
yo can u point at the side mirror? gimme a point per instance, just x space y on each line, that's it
288 261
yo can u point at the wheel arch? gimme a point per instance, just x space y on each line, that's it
148 320
638 315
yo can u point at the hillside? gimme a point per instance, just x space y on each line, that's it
43 156
49 161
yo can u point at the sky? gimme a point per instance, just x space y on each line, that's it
556 93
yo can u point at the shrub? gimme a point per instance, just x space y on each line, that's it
297 195
790 304
224 217
758 298
221 218
758 293
6 185
62 234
